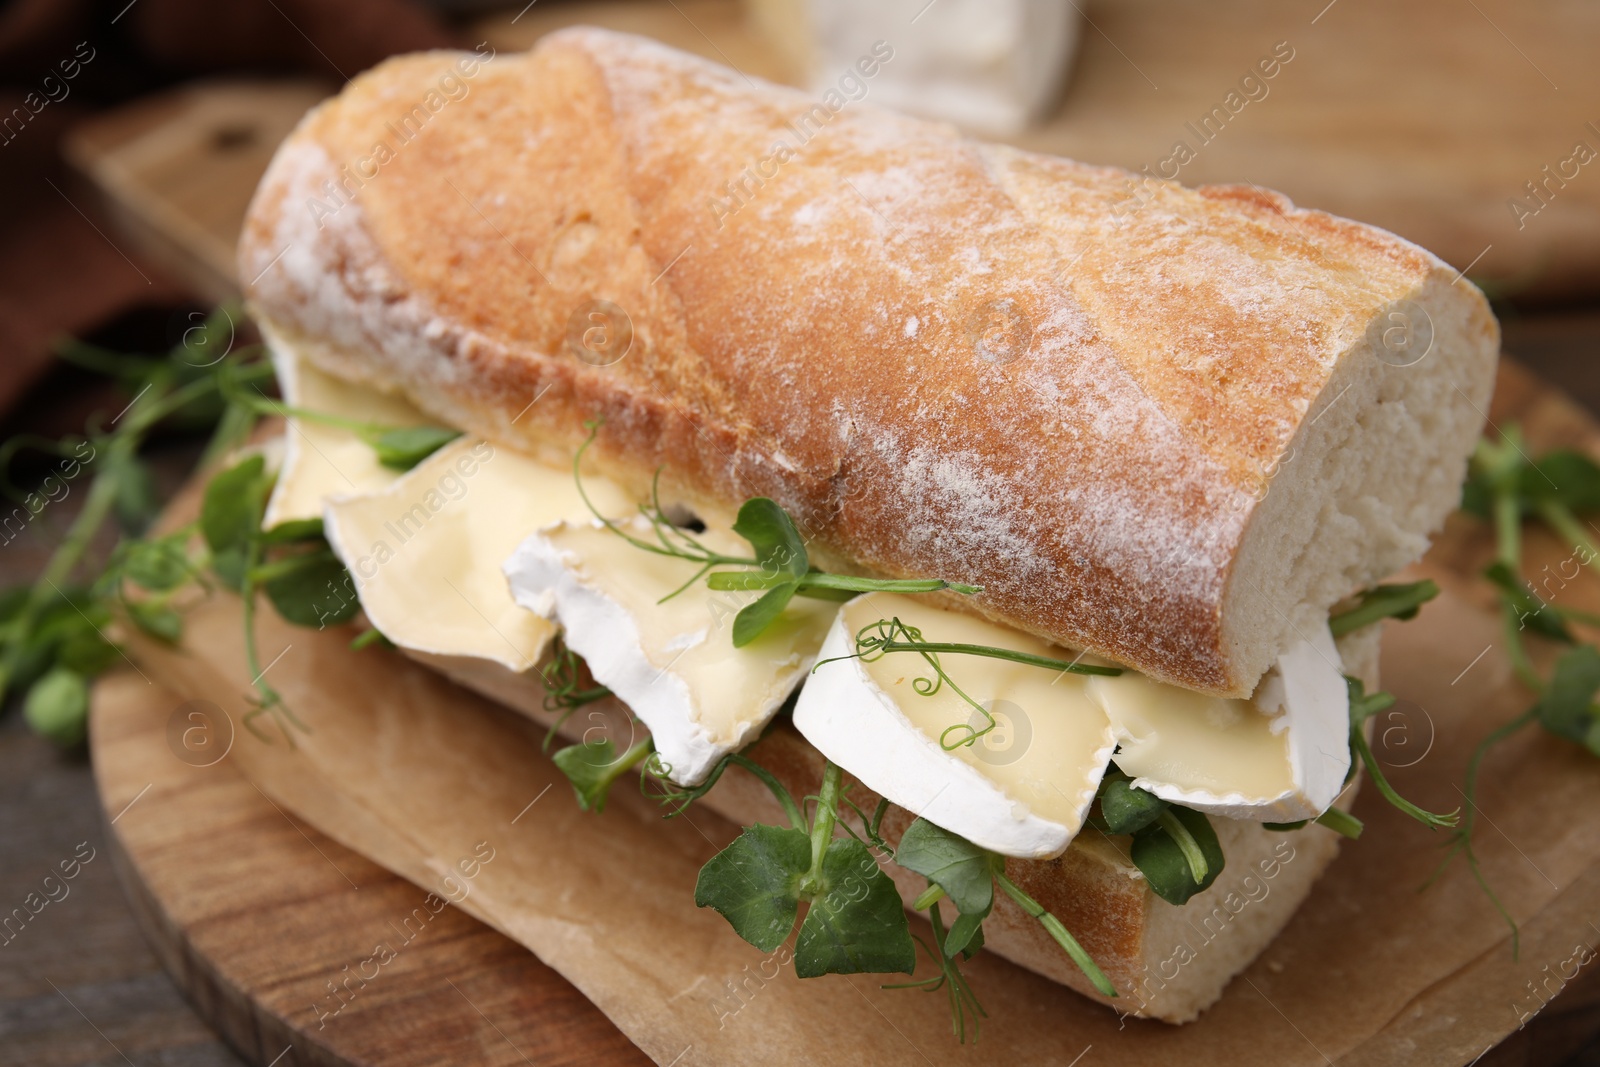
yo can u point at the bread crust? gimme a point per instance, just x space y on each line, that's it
1066 384
1167 962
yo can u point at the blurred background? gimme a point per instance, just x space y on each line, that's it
132 135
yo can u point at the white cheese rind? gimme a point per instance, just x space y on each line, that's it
673 664
1284 753
849 717
992 66
1316 713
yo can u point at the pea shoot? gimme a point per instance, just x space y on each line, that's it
57 634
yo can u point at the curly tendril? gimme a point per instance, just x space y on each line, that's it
878 639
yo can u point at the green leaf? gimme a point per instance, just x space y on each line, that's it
230 513
317 595
756 616
157 620
401 448
1164 864
963 870
57 706
1126 810
754 883
230 516
591 767
1384 602
1567 707
857 923
965 936
778 546
159 565
1531 611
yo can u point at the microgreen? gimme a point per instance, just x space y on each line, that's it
1339 821
964 1004
53 624
58 631
880 638
1363 706
854 921
1178 854
1505 487
396 447
563 676
1567 707
967 874
1383 602
1125 809
57 706
1174 847
778 566
594 766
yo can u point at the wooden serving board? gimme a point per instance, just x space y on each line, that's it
257 915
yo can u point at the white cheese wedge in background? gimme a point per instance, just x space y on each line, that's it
1021 790
992 66
425 551
1279 757
672 663
320 460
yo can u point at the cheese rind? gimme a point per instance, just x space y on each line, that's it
991 66
1279 757
673 661
1022 789
425 551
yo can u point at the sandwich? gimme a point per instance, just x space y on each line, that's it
992 536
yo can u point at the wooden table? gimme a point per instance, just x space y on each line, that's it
79 986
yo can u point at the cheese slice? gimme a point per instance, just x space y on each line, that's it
673 663
1278 757
320 460
1022 789
425 551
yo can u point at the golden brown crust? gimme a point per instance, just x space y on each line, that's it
942 357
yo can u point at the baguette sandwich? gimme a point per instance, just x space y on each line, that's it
1034 509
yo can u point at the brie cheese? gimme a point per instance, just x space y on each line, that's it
672 662
989 65
1279 757
1022 789
425 551
320 460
